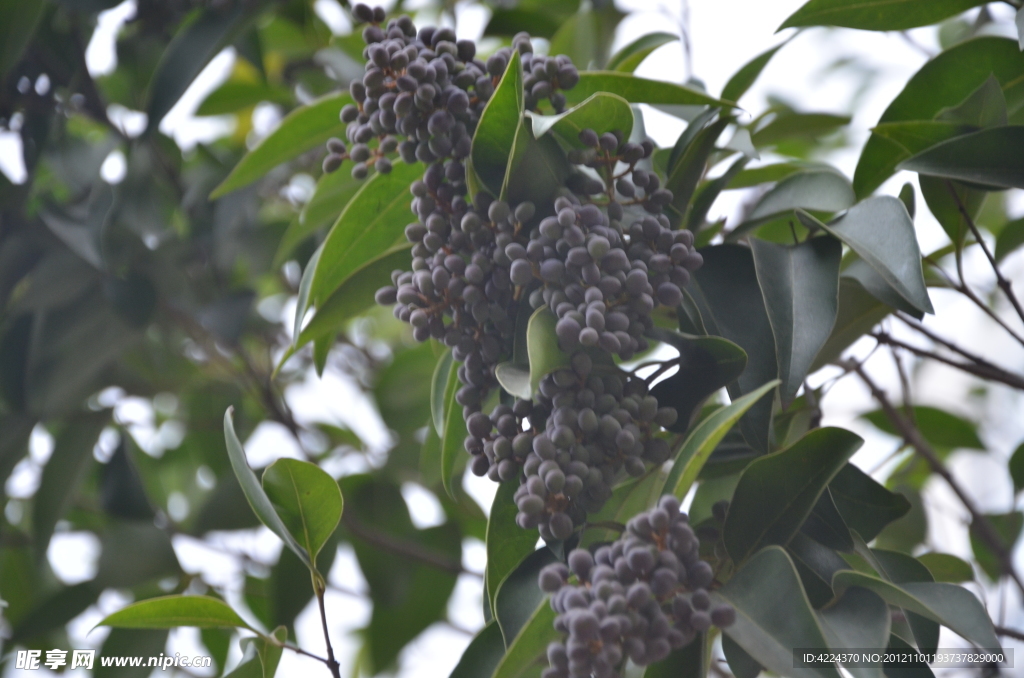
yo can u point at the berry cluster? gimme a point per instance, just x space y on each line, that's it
476 260
640 597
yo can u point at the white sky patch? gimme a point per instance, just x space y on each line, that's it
114 167
424 508
101 54
331 13
74 556
181 123
12 157
269 442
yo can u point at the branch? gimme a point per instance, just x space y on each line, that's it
963 289
913 437
403 547
983 369
1004 284
319 586
1009 633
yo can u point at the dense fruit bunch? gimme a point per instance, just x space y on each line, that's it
477 260
641 597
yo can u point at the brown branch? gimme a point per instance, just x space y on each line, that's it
1005 285
319 585
963 289
1009 633
403 547
984 370
984 529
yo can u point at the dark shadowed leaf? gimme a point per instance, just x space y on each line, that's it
800 285
452 447
304 128
483 654
872 281
877 15
989 157
776 493
773 614
507 543
729 298
1017 468
1010 238
864 504
816 564
826 525
688 161
882 233
858 312
628 499
519 594
858 619
687 662
128 642
741 664
542 346
527 652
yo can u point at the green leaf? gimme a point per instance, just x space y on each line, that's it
454 431
766 174
507 543
800 285
1019 20
482 655
1017 468
536 168
872 281
495 135
373 222
304 128
942 429
742 79
302 301
948 604
777 492
900 670
1008 527
858 619
900 568
638 90
866 506
705 438
628 499
439 389
254 494
881 232
64 473
773 614
629 57
542 346
987 157
527 652
817 190
947 568
858 312
1010 238
984 107
601 112
519 594
266 655
172 611
686 662
307 499
53 611
709 191
333 192
816 564
919 135
944 81
789 125
729 298
235 95
18 22
189 52
826 526
741 664
586 36
689 160
706 365
137 642
877 15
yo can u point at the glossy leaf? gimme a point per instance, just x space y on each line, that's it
877 15
987 157
705 438
482 655
773 614
706 365
304 128
939 427
254 494
637 90
948 604
729 298
742 79
307 500
881 232
865 505
373 222
946 567
800 285
858 312
507 543
858 619
172 611
826 526
529 648
495 134
944 81
817 190
542 346
454 431
629 57
777 492
873 282
601 112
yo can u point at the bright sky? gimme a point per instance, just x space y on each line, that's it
724 34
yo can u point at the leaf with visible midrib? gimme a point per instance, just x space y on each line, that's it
171 611
308 501
877 15
777 492
495 134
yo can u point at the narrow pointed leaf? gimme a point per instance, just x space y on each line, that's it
542 347
439 390
171 611
990 157
877 15
629 57
507 543
638 90
800 285
454 431
742 80
495 134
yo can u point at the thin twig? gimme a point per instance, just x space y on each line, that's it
1005 285
298 650
983 370
1009 633
963 289
403 547
983 528
332 663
